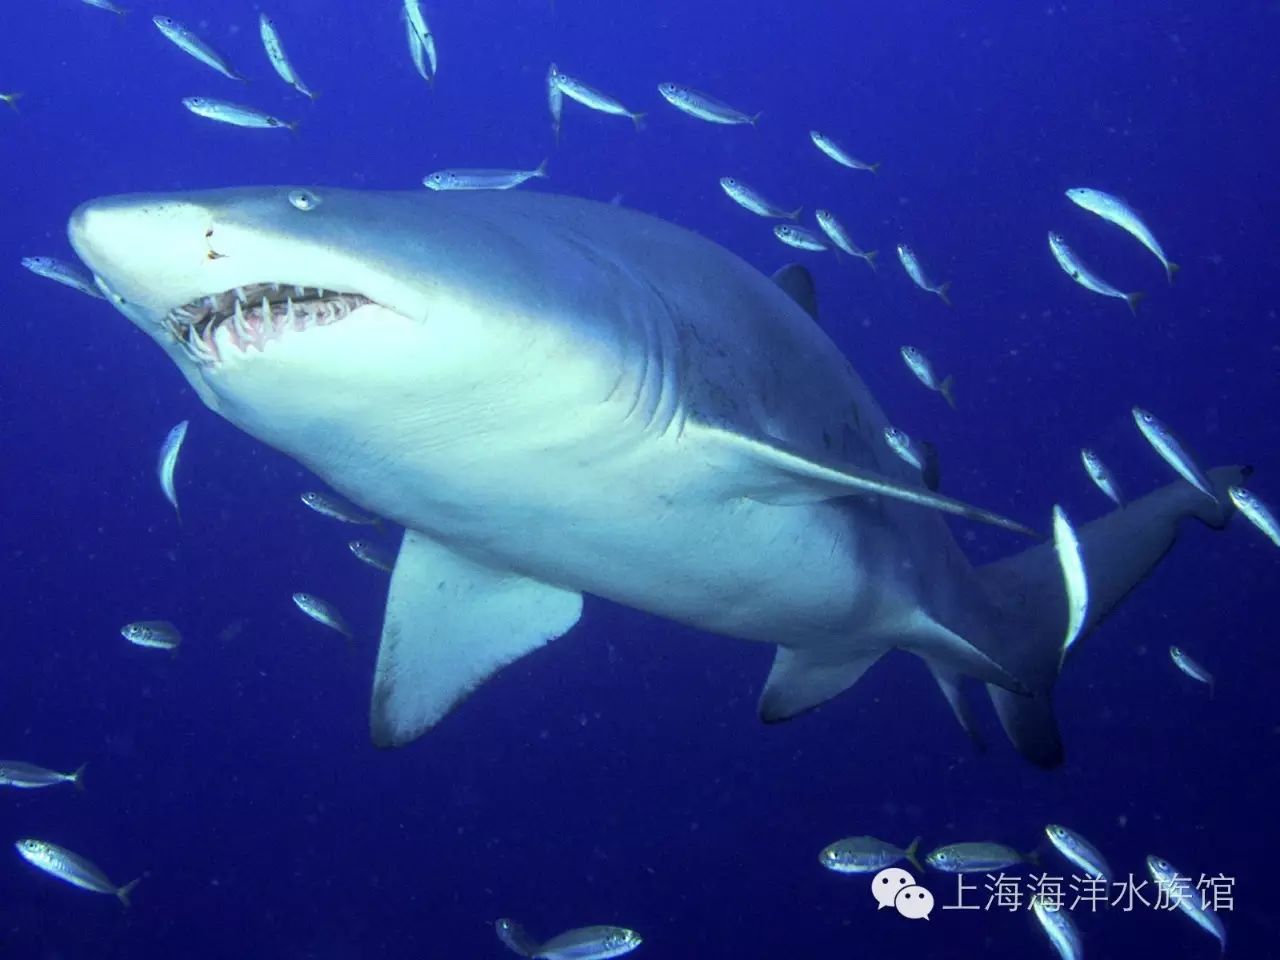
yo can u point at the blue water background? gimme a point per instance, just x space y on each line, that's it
621 775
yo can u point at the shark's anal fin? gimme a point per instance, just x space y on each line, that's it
770 473
949 682
1028 598
450 624
802 679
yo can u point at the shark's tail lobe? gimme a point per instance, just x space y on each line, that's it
1030 601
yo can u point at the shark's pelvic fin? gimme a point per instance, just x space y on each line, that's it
802 679
772 474
950 683
450 624
1030 603
797 283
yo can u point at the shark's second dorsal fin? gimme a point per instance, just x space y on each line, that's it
797 283
450 624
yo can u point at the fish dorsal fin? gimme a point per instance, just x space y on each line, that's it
450 624
797 283
770 473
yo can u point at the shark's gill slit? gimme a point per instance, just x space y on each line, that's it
255 314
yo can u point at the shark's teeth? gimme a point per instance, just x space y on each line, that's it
254 315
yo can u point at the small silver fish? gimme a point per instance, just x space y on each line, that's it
919 364
279 59
513 937
589 943
555 99
481 179
1070 558
105 5
911 263
71 868
168 461
155 634
27 776
1191 668
1082 854
335 509
12 100
1173 451
54 269
974 857
834 229
1114 210
235 114
1257 512
418 24
839 154
798 237
372 554
1059 928
866 855
322 611
922 456
1183 893
703 106
593 98
752 200
189 43
1078 270
1101 476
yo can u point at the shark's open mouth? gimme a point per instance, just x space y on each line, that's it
251 316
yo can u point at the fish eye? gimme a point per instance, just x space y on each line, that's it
304 200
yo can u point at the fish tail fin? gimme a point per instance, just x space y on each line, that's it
541 171
870 257
638 120
756 118
12 100
873 167
77 778
1170 268
912 853
1133 299
947 389
1032 857
794 214
1027 605
292 125
123 893
942 292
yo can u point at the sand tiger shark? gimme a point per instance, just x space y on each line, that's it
556 397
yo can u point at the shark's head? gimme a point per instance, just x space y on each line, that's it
339 325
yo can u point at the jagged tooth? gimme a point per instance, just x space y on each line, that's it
275 288
288 312
239 294
300 292
238 325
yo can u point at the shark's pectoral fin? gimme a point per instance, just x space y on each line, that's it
450 624
770 473
802 679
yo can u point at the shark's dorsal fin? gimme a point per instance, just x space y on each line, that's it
797 283
770 473
450 624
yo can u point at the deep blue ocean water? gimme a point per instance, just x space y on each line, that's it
620 775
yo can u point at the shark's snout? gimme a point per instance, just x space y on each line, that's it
143 249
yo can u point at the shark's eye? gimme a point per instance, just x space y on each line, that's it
304 200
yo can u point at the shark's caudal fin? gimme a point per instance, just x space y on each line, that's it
1030 602
450 624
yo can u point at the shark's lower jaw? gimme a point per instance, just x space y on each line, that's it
253 316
